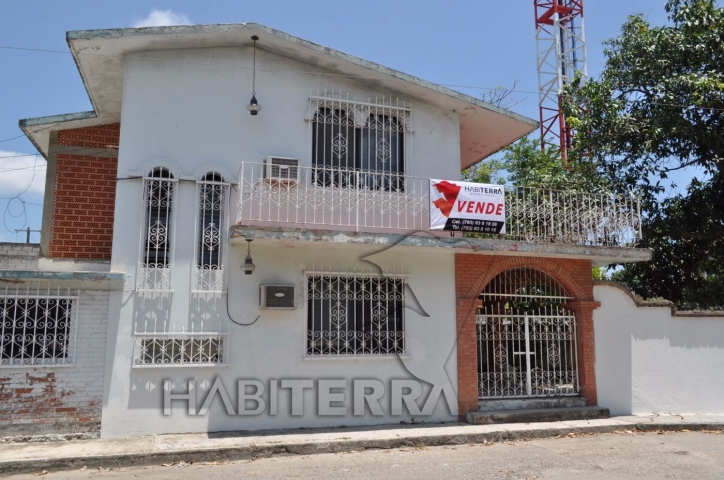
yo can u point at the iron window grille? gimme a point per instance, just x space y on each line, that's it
157 232
180 350
212 194
355 314
349 136
37 328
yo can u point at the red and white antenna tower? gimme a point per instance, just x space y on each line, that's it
561 43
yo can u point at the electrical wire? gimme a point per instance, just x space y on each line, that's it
229 314
20 168
306 72
36 131
23 212
59 153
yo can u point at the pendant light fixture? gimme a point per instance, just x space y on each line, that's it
254 107
248 266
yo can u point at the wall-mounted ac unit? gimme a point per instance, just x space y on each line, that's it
282 169
277 297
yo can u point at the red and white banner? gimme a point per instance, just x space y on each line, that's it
467 207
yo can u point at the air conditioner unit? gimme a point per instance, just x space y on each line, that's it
282 169
276 297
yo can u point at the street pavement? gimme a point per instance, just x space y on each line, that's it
622 454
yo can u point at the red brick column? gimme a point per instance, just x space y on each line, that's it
473 272
467 275
586 347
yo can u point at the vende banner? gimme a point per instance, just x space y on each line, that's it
467 207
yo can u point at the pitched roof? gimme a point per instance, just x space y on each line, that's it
99 54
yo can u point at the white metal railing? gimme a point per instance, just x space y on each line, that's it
335 197
571 217
37 327
362 199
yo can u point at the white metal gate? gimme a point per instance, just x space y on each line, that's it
526 338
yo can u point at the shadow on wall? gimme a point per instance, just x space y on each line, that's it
158 350
651 361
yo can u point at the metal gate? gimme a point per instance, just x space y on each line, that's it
526 338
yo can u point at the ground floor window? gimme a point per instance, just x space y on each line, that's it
355 315
36 330
180 350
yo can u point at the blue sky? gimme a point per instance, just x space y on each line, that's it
481 43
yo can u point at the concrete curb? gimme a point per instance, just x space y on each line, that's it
231 453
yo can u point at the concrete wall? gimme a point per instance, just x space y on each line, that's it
60 399
275 346
194 114
19 256
648 361
192 119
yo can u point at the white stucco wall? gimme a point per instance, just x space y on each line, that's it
190 116
274 347
178 106
650 362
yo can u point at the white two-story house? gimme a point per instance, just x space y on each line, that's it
218 264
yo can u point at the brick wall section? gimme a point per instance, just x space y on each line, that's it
101 136
474 272
19 256
85 196
45 400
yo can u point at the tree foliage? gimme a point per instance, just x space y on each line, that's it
657 108
525 164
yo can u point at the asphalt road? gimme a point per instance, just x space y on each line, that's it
620 455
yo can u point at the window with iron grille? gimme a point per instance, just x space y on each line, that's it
359 144
212 195
37 330
156 256
180 350
355 315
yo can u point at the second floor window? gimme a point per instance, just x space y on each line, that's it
357 144
212 193
157 231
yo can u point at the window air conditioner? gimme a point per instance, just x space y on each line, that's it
276 297
282 169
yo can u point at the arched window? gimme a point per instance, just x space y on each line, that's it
212 194
159 204
157 231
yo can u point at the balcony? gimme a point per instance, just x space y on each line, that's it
326 198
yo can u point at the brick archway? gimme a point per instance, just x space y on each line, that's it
473 272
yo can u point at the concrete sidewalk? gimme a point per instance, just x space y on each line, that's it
147 450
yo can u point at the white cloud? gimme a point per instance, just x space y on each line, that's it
163 18
17 172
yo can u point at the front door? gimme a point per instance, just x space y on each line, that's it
526 338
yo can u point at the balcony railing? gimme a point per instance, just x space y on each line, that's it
335 197
329 198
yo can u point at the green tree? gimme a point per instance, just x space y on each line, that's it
657 108
525 164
